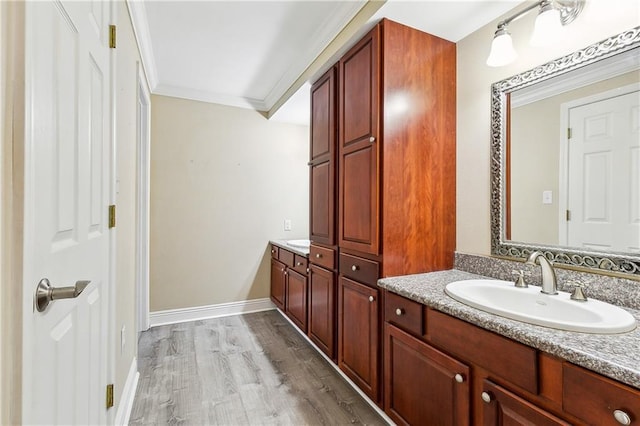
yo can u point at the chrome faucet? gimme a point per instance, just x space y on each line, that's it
549 280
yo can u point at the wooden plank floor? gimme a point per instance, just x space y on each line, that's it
252 369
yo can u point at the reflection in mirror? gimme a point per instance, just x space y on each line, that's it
566 158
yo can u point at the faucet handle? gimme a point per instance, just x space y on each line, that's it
520 278
578 292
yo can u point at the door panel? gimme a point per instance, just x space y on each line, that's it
322 309
68 141
296 298
277 283
322 205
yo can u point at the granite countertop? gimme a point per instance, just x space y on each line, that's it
613 355
297 250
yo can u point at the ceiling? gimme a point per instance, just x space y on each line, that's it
253 54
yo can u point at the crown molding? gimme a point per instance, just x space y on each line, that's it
210 97
138 15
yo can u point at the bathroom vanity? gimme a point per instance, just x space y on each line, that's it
449 363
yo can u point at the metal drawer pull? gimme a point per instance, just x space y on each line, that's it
273 251
354 268
298 263
371 298
460 379
372 139
486 397
399 311
622 417
46 294
318 255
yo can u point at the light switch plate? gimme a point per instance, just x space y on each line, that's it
547 197
287 224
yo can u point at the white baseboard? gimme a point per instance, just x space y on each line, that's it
128 394
174 316
341 373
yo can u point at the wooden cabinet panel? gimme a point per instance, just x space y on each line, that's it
322 180
323 115
322 309
594 398
358 334
404 313
322 212
358 146
359 198
286 257
420 383
501 407
504 357
278 283
362 270
296 298
359 90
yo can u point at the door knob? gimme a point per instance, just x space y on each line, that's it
45 294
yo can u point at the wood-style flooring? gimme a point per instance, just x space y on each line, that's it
252 369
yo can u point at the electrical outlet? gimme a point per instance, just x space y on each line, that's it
287 224
547 197
122 339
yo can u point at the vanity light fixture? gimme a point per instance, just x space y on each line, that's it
552 15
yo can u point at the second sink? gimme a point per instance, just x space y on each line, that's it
529 305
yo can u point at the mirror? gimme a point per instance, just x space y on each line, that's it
574 194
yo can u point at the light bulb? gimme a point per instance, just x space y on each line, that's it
547 28
502 52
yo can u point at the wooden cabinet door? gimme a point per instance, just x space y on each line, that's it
498 406
358 334
322 166
296 298
359 111
278 283
423 386
322 309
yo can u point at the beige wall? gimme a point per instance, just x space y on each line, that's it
599 20
223 180
535 159
127 61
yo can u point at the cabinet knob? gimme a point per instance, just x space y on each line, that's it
285 273
298 263
371 298
307 270
318 255
459 378
354 268
273 251
399 311
372 139
622 417
486 397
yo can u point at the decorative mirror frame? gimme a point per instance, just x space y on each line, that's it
593 260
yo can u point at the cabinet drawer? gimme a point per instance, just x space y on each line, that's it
274 252
596 399
404 313
513 361
359 269
322 256
286 257
300 264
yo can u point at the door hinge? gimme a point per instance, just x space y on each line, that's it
568 132
112 216
568 215
112 36
110 395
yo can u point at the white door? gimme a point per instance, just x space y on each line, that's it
66 237
604 174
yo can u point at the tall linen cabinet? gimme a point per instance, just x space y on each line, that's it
396 98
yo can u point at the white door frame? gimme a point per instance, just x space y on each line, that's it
143 200
563 184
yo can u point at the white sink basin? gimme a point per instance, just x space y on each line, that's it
529 305
304 244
